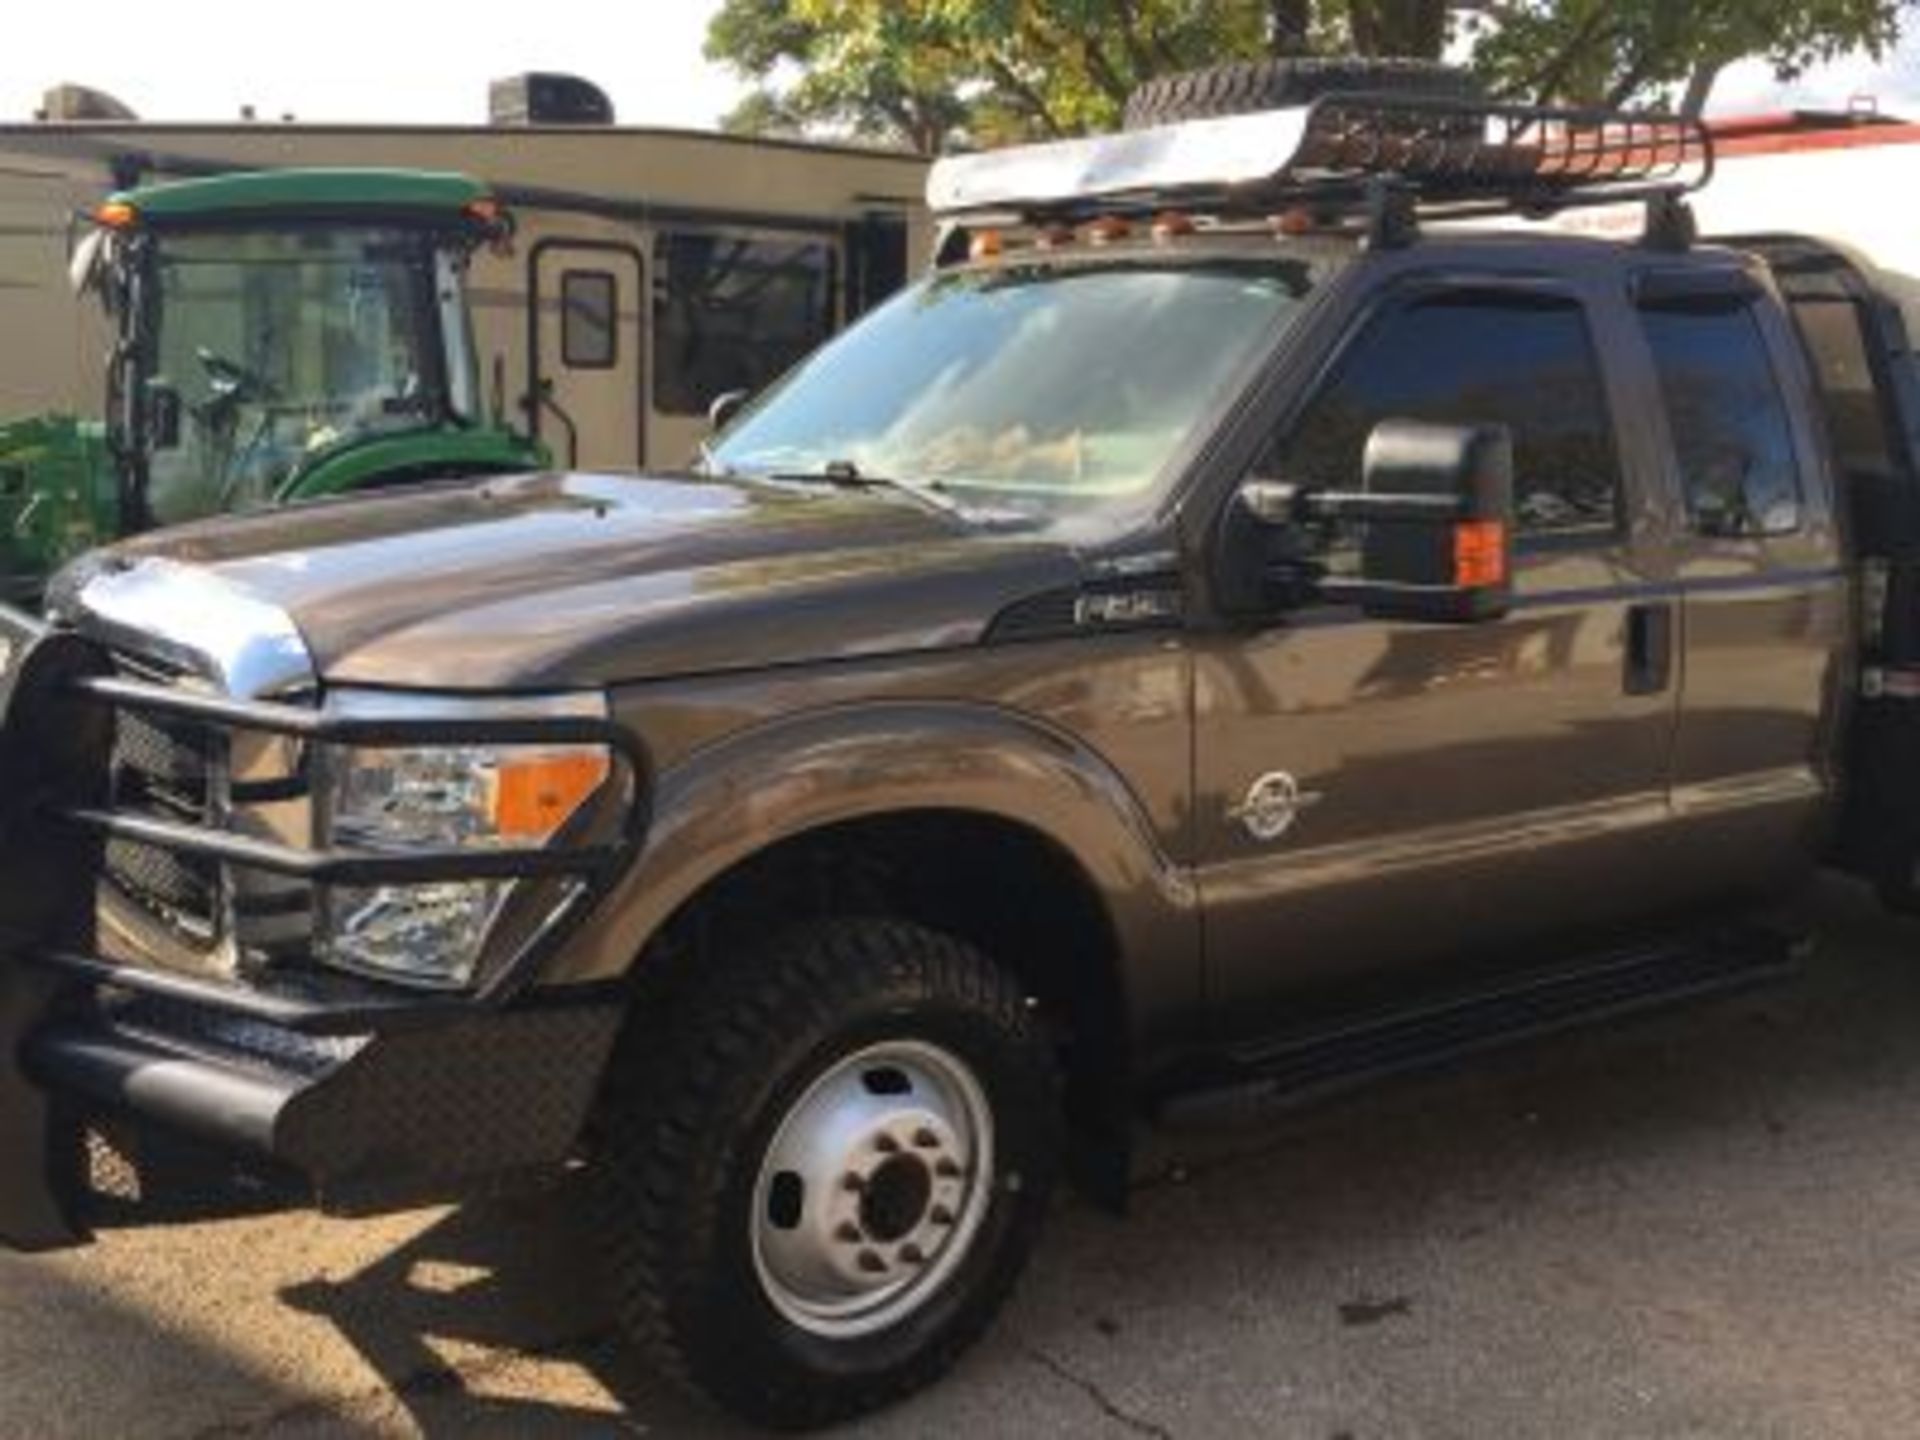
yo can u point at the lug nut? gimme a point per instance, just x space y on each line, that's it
946 1169
910 1255
853 1182
885 1143
849 1233
871 1262
940 1215
925 1139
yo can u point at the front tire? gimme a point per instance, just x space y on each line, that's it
823 1166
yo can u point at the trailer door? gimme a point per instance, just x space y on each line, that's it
588 391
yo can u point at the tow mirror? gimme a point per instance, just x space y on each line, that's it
1435 519
163 416
724 407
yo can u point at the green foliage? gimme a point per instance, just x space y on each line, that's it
934 74
1617 51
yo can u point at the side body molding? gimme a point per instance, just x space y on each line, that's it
780 779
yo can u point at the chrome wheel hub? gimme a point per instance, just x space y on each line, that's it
873 1189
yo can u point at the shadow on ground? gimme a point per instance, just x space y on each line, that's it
1512 1247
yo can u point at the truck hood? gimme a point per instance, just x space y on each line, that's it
552 581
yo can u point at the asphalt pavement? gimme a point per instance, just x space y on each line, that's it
1701 1224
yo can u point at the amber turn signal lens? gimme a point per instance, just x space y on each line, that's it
536 794
117 215
1479 554
486 210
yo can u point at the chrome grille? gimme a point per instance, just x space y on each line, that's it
169 769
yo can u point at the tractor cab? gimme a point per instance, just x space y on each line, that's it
276 337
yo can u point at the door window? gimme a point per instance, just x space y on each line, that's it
589 320
1729 423
1477 358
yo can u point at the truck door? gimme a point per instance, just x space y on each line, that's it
588 392
1371 794
1767 634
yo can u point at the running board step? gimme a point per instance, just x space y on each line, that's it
1325 1062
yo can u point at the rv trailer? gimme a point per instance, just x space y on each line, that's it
650 271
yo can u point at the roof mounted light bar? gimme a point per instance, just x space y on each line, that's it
1448 156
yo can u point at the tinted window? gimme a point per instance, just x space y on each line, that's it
589 307
1729 423
1856 414
734 314
1475 359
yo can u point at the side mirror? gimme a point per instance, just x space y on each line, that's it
1448 552
87 264
724 407
1436 525
163 416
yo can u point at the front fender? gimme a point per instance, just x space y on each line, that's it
734 799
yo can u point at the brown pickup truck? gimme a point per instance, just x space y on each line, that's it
1238 621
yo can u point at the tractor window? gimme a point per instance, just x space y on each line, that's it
589 320
732 313
283 347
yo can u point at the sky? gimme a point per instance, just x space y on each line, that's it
400 60
430 61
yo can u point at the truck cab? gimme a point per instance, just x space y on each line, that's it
1241 620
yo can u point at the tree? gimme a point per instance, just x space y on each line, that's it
934 74
937 72
1614 52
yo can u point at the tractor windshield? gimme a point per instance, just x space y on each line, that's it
268 349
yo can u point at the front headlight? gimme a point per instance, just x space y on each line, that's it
395 800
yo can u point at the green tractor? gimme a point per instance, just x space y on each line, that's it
276 337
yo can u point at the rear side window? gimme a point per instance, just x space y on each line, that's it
1477 358
1727 417
1856 410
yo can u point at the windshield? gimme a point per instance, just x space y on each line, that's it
1053 389
283 344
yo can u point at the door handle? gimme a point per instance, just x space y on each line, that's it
1649 667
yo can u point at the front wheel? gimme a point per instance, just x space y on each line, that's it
824 1165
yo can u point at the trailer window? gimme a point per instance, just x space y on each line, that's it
1728 419
734 314
589 320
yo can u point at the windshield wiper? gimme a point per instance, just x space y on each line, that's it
845 475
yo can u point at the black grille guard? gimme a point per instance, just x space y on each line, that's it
82 690
58 697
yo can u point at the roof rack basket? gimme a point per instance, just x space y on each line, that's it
1449 157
